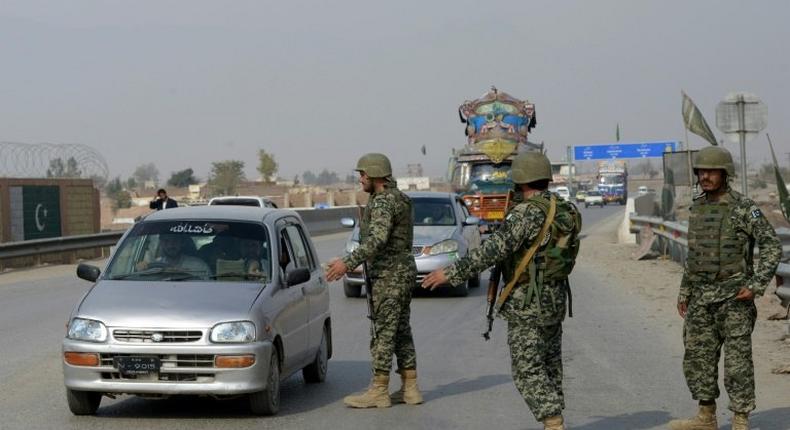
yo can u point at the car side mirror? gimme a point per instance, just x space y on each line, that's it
88 272
472 220
297 276
348 222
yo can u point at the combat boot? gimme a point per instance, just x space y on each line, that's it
704 420
740 421
376 396
554 423
409 393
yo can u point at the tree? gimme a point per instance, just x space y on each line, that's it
119 197
146 172
327 178
309 178
296 179
267 167
225 176
182 178
59 169
131 183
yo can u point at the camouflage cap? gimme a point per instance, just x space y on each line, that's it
530 167
374 165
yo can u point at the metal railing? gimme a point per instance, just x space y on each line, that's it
672 240
317 222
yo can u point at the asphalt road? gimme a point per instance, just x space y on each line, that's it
622 371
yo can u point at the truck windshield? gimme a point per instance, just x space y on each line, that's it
490 173
193 250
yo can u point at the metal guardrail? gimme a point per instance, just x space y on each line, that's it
672 239
317 221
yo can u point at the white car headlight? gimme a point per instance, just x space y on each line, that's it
233 332
351 246
88 330
444 247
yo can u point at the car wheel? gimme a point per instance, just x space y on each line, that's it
474 281
83 402
267 402
316 371
586 205
352 290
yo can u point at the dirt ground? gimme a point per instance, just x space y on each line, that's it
658 279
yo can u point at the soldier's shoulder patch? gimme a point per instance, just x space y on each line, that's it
756 213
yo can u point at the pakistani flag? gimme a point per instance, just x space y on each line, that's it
695 122
35 212
784 197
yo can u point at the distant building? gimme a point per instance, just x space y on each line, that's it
413 183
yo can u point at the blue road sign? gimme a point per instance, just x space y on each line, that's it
610 151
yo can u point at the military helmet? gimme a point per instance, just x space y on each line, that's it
714 157
374 165
530 167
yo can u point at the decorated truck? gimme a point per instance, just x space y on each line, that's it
613 181
497 128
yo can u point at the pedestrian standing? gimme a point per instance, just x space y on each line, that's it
717 293
385 233
162 201
536 249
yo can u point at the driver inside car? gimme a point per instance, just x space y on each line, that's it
173 258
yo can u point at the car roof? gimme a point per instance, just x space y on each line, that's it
239 198
235 213
430 194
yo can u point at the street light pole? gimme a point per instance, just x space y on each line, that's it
742 137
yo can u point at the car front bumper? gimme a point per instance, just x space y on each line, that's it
185 369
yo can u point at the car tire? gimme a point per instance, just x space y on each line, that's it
474 281
83 402
586 206
352 290
315 372
267 402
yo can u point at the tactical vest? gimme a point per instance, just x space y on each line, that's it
715 250
398 249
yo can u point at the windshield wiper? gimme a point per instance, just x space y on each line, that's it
244 275
158 270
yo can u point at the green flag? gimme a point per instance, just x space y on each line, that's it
695 122
617 133
781 187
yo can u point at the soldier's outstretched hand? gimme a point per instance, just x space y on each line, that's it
335 270
745 294
434 280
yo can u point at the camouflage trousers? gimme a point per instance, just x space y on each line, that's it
391 303
536 362
706 330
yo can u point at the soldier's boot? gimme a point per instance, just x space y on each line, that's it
554 423
409 392
376 396
740 421
704 420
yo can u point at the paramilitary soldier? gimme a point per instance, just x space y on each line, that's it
386 244
536 247
718 289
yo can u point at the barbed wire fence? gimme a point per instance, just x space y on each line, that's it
35 160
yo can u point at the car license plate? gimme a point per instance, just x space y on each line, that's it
137 365
496 215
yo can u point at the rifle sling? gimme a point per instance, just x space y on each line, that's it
522 265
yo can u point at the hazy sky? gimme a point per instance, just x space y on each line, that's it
184 83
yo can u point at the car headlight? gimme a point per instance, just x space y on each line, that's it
444 247
88 330
351 246
233 332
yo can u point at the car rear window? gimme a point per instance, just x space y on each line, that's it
236 202
188 250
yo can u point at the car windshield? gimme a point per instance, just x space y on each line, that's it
433 211
236 202
193 250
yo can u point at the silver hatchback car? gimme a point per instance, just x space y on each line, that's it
218 301
444 231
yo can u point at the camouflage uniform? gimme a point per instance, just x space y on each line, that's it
722 235
385 242
534 323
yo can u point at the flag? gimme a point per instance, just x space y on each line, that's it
422 150
781 187
617 133
695 122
